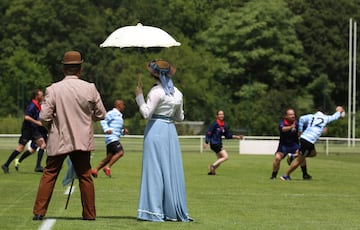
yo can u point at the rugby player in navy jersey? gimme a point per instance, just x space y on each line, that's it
288 143
216 131
30 130
315 126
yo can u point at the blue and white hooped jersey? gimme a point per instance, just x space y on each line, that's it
113 121
311 126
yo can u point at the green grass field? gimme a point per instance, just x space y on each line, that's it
241 196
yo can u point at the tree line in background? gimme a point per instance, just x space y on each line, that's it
250 58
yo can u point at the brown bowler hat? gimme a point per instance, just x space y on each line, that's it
72 58
157 66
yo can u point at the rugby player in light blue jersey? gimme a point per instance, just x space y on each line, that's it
113 128
315 125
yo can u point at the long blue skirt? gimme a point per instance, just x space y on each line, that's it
162 190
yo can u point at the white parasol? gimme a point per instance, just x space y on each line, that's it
139 36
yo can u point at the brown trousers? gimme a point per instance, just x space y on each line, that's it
82 167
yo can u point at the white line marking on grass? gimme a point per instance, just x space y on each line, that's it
67 191
47 224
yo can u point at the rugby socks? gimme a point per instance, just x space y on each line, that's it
39 158
24 155
304 170
12 157
274 173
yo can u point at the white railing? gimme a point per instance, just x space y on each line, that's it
249 145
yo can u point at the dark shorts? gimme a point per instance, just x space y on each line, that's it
306 148
216 148
114 147
286 149
29 134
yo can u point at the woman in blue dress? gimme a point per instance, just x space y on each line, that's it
162 190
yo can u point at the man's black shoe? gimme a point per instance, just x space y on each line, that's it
38 217
88 218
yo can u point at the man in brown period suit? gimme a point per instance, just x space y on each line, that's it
69 109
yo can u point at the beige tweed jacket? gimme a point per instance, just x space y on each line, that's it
68 112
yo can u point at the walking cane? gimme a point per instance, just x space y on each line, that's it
68 198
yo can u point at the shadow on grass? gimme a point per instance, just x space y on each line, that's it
97 218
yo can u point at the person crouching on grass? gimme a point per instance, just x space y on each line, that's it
214 135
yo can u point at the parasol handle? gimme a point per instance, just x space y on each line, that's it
139 83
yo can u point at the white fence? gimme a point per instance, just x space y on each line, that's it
268 145
194 144
326 145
